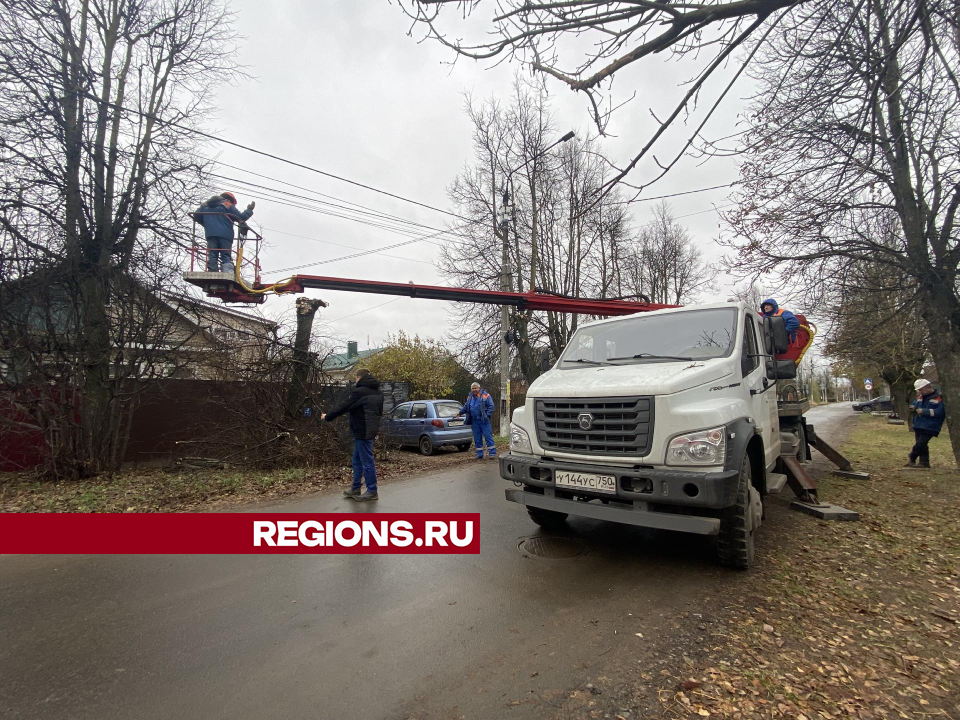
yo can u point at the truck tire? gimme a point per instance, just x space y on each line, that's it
547 519
735 541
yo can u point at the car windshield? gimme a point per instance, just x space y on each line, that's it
693 335
447 410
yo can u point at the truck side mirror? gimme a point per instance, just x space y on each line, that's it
545 359
775 334
785 369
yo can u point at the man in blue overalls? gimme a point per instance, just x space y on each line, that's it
479 408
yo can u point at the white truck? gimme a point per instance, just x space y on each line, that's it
665 419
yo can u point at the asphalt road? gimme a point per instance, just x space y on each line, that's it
494 635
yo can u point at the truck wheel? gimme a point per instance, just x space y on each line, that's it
426 445
548 519
738 523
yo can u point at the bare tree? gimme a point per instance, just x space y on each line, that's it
665 265
877 327
558 240
858 118
97 163
539 33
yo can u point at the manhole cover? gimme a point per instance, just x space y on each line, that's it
553 548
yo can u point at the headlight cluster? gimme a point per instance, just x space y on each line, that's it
519 440
706 447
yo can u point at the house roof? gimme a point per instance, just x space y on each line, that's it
342 361
180 303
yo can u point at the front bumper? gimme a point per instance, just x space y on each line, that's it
622 514
690 488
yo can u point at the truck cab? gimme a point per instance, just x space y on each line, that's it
664 419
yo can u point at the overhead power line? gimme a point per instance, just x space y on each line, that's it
335 244
272 156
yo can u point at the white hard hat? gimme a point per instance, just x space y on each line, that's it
920 384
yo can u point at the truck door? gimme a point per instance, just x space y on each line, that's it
763 392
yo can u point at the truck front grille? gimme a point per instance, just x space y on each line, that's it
617 426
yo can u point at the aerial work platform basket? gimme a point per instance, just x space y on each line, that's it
224 285
223 273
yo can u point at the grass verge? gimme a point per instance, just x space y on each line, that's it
182 490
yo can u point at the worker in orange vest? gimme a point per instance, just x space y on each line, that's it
769 308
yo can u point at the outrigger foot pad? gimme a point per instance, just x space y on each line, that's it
825 511
852 474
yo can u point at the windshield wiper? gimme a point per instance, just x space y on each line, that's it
651 356
590 362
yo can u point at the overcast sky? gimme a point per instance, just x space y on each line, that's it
340 86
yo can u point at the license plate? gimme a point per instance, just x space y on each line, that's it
453 423
586 481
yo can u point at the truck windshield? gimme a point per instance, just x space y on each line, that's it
693 335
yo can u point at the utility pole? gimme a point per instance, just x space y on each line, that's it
506 285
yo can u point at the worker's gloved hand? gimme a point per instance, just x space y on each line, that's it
252 205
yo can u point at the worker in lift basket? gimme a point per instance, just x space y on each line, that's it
479 409
217 217
769 308
929 419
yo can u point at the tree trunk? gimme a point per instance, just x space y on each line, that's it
943 320
96 350
306 310
900 393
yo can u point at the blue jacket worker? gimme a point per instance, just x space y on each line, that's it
365 406
926 423
479 409
769 308
217 215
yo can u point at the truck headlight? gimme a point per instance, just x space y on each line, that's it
706 447
519 440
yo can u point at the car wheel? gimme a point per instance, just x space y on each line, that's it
739 522
426 445
867 408
547 519
463 447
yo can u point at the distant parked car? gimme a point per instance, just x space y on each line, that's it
877 404
427 425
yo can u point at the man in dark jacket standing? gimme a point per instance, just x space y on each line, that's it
365 406
217 215
929 419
